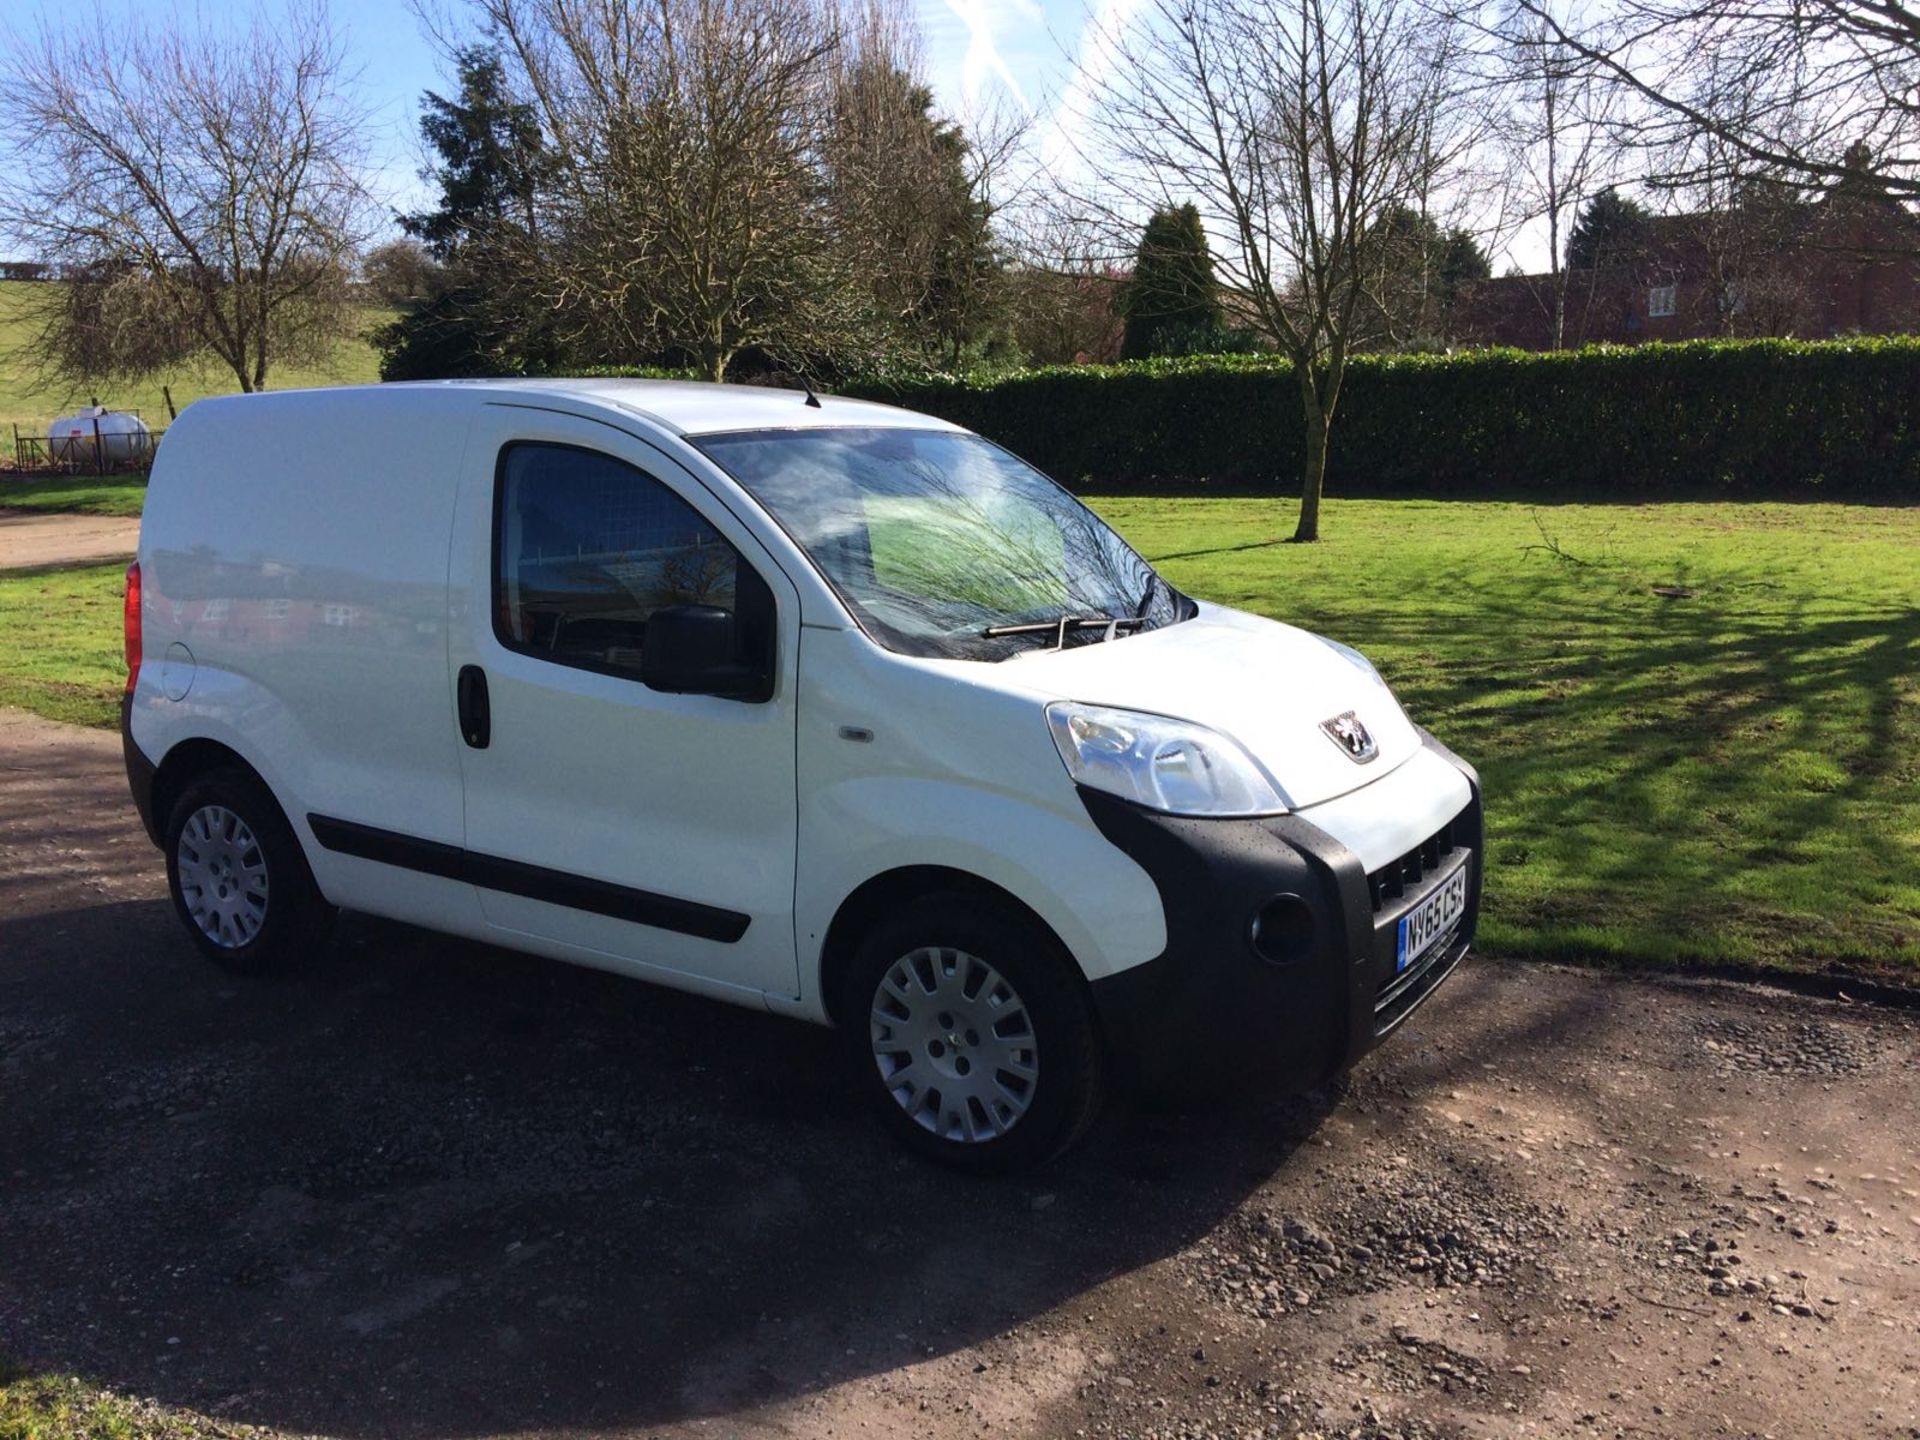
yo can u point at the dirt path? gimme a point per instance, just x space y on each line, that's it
29 540
437 1189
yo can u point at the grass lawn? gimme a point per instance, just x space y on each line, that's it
64 1407
45 1407
1730 777
80 494
60 646
23 400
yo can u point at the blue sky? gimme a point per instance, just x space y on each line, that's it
1036 57
975 51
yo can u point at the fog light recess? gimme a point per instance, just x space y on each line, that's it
1282 930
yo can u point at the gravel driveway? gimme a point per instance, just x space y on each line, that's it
437 1189
30 540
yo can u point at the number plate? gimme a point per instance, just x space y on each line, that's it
1433 919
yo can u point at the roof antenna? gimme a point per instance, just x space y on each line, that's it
812 399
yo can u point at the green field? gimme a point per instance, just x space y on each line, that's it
26 402
75 494
1730 775
60 644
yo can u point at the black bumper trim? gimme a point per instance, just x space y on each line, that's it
140 772
1210 1011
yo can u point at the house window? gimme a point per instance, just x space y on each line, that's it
337 615
279 609
1660 301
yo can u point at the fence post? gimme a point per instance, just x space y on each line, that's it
166 394
99 450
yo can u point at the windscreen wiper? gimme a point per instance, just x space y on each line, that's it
1059 628
1146 596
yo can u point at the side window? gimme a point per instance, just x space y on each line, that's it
586 548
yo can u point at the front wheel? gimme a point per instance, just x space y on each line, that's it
970 1032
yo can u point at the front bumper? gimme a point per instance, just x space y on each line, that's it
1280 966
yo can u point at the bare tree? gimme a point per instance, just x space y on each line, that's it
400 271
746 175
1063 290
201 190
1556 124
687 200
911 193
1752 233
892 176
1793 85
1296 126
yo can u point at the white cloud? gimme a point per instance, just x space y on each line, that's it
1063 142
983 58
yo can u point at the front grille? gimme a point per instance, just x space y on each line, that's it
1397 879
1401 993
1393 884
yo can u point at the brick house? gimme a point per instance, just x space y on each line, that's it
1847 263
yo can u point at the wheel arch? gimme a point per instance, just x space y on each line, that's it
886 892
187 762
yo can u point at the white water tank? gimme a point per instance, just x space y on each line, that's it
122 437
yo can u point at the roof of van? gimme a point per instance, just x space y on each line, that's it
689 407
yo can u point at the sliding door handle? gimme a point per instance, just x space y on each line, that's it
476 711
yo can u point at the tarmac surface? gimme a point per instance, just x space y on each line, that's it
431 1188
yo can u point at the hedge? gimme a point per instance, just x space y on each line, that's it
1763 417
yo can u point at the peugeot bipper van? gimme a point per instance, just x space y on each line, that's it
819 706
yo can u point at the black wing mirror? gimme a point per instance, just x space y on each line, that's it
690 650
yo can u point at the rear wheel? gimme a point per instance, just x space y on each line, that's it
971 1034
240 883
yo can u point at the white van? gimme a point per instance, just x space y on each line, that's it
819 706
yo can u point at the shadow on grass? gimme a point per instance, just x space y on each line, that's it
1707 781
1220 550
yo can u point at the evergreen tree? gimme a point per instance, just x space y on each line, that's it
1608 230
910 217
483 231
1459 260
1423 269
962 300
491 157
1171 303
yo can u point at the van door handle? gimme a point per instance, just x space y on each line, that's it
476 712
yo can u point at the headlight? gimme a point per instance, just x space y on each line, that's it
1163 764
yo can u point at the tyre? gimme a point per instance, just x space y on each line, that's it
240 883
970 1031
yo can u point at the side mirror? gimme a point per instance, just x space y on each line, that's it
689 650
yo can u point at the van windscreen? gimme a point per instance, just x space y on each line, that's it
943 544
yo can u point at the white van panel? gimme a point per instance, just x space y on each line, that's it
297 544
1383 821
923 791
686 797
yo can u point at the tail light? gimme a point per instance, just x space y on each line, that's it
131 625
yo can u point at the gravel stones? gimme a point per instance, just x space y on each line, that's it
1433 1226
1781 1047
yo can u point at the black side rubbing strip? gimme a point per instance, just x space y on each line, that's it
534 882
429 857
